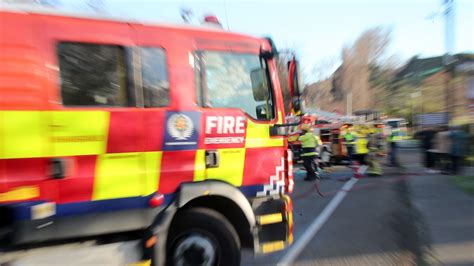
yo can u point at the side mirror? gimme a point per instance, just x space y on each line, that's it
294 85
268 49
278 131
262 112
296 105
259 85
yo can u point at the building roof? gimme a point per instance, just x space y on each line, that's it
424 67
417 66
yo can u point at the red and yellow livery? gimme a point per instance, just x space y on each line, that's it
108 126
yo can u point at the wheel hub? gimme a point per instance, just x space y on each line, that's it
195 249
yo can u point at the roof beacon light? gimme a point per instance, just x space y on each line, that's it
212 21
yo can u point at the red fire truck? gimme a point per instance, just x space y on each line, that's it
111 127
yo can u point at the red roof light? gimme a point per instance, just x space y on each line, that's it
212 19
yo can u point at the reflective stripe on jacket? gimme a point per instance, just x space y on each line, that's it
395 135
349 138
309 142
361 144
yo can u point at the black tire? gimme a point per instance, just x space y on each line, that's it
202 223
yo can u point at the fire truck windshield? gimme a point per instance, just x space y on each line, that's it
229 81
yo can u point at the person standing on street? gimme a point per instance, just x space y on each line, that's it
309 143
459 144
426 136
442 148
392 140
375 149
349 140
361 148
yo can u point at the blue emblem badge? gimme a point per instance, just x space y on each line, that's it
181 131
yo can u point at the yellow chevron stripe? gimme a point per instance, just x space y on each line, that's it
270 218
141 263
273 246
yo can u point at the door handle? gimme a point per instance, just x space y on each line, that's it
57 168
212 159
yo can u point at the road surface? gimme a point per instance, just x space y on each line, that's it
392 220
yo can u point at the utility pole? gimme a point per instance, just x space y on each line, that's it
449 42
349 104
449 16
448 13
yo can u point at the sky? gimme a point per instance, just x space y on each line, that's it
319 29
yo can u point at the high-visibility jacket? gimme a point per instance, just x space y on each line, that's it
361 144
349 138
309 143
395 135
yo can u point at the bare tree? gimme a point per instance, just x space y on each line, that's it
355 72
323 68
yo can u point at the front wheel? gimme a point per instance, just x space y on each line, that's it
201 236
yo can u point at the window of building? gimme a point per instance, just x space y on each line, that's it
92 75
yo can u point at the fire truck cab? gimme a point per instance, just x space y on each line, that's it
109 127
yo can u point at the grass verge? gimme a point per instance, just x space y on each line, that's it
466 183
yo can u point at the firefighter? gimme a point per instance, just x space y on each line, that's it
375 147
392 140
349 140
309 143
361 148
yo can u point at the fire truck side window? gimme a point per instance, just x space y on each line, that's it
92 75
227 82
155 77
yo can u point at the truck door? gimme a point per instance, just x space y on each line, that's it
171 120
239 106
96 131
